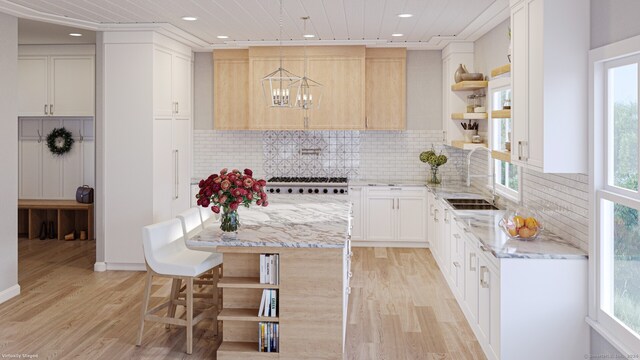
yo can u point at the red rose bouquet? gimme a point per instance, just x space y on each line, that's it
227 191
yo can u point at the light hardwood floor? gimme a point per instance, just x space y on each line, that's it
400 308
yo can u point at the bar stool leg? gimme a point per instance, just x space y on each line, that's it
189 315
216 302
173 296
145 304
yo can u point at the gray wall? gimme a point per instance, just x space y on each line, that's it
424 90
613 20
9 151
203 91
490 51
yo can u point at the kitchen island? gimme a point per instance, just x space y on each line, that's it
309 233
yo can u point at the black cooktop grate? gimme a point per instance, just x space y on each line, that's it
286 179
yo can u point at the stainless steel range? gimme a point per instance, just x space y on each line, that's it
307 185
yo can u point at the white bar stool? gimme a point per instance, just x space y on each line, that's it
166 255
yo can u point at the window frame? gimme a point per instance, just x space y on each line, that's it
495 85
601 60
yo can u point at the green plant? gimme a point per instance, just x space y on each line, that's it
430 157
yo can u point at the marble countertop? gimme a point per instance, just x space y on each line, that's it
483 225
300 221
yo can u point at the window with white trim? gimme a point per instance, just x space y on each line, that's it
617 200
507 176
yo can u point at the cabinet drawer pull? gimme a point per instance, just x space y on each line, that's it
50 109
483 282
349 290
483 248
456 264
519 150
46 109
457 236
350 274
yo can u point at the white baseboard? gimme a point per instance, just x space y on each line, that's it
126 266
100 266
9 293
392 244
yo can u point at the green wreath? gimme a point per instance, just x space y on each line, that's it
59 141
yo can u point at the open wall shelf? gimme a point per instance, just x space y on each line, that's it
469 85
469 116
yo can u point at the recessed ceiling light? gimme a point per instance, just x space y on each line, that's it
405 15
309 35
222 37
189 18
75 34
397 35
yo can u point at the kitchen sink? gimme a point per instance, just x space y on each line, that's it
471 204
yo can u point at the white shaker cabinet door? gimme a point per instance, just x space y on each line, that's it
181 81
72 171
181 165
357 215
33 86
163 102
30 165
381 218
73 86
163 163
411 219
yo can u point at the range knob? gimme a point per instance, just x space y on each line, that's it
341 191
310 191
290 191
271 190
301 191
335 191
325 191
316 191
278 190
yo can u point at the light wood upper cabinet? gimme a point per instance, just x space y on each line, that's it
386 89
341 71
231 89
261 116
347 94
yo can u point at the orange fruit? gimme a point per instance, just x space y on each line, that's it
512 230
531 223
519 221
526 232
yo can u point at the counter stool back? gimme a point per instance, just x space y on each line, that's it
166 255
191 222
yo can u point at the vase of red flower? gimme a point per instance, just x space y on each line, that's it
226 191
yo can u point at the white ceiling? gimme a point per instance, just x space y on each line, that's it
257 20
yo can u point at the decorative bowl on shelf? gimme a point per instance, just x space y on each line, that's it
522 224
471 76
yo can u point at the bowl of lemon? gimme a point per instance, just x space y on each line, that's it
521 224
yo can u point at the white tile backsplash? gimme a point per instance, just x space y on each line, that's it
387 156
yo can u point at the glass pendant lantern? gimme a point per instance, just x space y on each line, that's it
276 86
307 93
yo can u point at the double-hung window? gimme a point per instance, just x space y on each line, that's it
616 199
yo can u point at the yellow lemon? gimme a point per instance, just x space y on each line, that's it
531 223
519 221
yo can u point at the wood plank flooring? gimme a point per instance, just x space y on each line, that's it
400 308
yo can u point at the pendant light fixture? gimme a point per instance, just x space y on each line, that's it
276 85
307 93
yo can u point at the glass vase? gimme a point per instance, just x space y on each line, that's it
229 223
434 175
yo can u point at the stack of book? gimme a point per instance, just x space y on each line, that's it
268 339
269 303
269 269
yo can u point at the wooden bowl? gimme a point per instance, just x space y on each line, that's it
471 76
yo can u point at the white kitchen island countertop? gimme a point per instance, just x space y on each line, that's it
294 221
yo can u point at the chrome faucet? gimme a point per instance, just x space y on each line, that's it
492 176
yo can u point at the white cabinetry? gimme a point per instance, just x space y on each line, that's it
58 84
43 175
389 216
499 295
171 133
550 42
172 77
356 194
